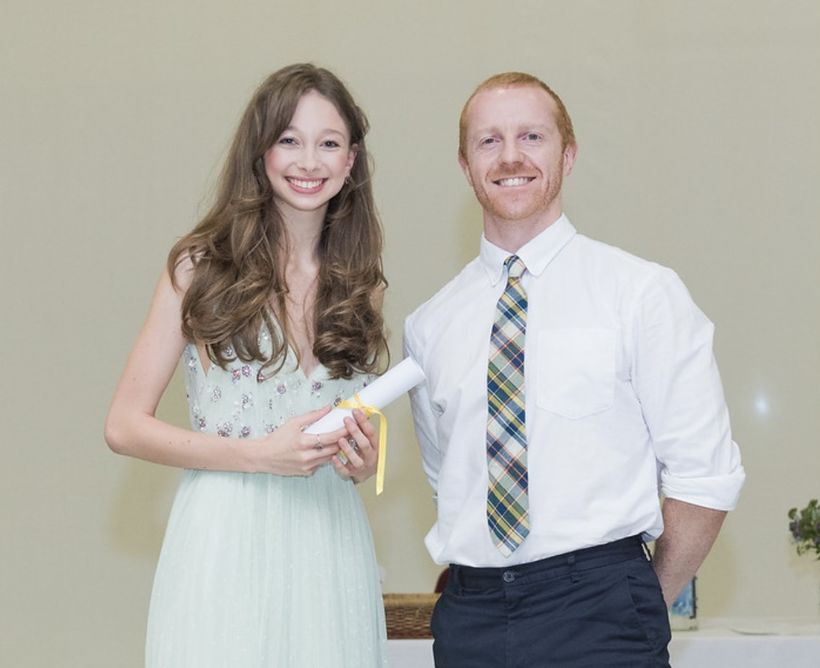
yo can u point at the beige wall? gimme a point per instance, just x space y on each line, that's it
700 148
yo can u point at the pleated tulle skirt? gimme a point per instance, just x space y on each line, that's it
263 571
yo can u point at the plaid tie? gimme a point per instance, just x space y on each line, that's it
507 500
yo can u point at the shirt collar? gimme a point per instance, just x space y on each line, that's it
537 253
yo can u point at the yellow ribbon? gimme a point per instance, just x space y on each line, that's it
369 411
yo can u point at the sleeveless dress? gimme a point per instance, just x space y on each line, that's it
259 570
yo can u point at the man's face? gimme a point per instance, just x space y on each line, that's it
513 155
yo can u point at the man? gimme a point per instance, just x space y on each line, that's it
569 384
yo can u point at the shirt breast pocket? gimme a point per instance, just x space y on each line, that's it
576 371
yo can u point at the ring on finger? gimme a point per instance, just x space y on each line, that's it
318 445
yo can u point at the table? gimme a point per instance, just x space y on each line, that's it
718 643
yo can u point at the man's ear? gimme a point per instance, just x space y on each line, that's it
570 152
462 162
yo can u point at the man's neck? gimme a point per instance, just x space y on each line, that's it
511 235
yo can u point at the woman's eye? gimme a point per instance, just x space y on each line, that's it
288 141
533 136
330 143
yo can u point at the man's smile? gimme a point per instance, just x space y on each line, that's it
513 181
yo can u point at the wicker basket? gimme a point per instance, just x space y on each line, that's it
408 615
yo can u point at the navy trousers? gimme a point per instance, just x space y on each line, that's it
600 607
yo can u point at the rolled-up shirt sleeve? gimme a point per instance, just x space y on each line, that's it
677 382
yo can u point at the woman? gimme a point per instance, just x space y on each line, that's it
273 302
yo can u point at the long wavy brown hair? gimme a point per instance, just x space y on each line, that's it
238 284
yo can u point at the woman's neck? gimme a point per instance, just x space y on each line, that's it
300 259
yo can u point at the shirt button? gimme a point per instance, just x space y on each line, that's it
508 576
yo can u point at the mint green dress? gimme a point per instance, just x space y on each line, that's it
259 570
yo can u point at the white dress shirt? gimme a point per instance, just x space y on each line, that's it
623 399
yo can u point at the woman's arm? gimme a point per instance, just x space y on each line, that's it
132 429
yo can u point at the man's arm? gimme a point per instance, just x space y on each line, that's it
688 535
424 420
676 379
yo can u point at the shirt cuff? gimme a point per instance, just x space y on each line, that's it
719 492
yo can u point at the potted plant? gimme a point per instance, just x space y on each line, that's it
805 528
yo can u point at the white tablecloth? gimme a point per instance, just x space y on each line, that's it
718 643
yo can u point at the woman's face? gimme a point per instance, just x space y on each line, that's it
308 164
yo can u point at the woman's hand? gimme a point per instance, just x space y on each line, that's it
290 451
360 447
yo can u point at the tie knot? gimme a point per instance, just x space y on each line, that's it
515 266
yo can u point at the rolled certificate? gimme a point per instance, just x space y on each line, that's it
382 391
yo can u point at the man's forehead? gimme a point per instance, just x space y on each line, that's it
511 106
